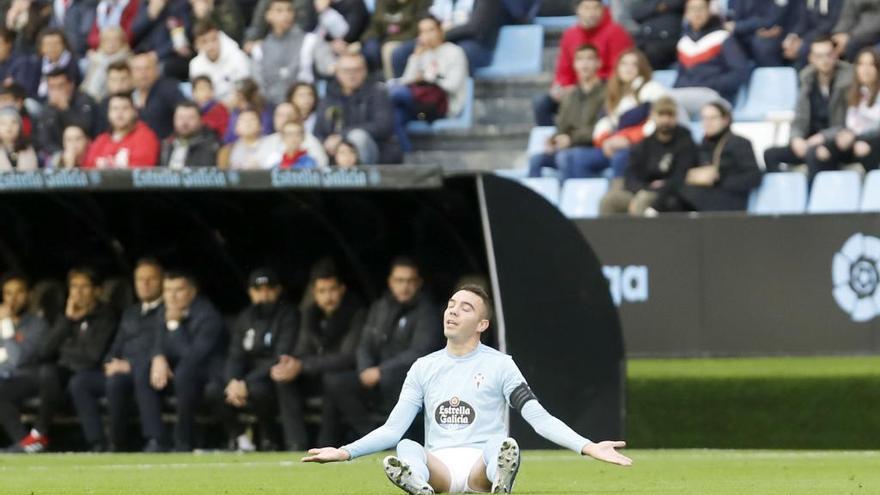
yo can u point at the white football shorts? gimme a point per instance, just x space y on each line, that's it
459 461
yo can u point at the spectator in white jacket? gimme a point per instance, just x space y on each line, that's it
219 58
272 146
434 83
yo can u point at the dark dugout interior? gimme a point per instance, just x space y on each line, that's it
555 313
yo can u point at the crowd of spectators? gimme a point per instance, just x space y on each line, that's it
326 83
173 343
609 114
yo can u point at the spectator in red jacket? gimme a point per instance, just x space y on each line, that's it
594 26
113 13
129 143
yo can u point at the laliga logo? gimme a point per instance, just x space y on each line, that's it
855 272
627 283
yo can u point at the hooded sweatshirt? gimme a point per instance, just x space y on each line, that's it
609 38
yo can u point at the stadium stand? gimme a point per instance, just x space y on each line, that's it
780 193
580 197
518 52
871 193
835 191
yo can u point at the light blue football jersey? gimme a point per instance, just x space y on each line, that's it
464 398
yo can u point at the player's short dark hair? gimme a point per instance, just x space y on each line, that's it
587 47
149 261
480 292
179 273
84 271
16 276
404 262
120 65
203 27
324 269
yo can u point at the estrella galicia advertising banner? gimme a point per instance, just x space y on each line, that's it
743 285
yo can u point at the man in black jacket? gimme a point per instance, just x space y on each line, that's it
155 97
188 351
401 327
657 162
325 354
64 106
127 365
21 334
263 333
74 352
191 145
359 111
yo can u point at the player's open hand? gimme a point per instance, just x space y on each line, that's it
326 454
604 451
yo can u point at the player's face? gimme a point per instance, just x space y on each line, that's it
148 283
404 283
178 293
81 290
328 294
265 294
464 316
15 296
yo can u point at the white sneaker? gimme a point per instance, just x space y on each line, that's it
401 475
245 444
508 466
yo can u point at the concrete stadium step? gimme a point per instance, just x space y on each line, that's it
502 111
513 137
514 87
468 160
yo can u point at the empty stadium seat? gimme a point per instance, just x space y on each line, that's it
772 94
780 193
556 22
871 192
835 191
548 187
580 197
665 77
762 135
464 120
537 137
518 52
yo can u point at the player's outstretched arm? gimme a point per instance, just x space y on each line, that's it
605 451
327 454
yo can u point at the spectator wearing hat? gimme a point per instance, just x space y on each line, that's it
263 333
654 163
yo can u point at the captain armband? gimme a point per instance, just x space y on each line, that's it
520 396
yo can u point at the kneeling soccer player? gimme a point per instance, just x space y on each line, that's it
465 389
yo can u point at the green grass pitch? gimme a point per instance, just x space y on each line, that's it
543 472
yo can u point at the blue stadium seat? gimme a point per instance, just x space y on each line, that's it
580 197
835 191
871 192
548 187
556 22
772 90
464 120
512 173
370 5
186 89
665 77
780 193
537 137
518 52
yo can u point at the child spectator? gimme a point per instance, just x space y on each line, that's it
346 156
243 154
294 155
247 96
304 98
215 116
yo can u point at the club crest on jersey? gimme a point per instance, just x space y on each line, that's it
454 414
479 378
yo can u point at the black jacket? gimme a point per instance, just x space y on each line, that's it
260 336
158 112
656 23
395 334
652 160
202 150
329 344
368 108
198 342
83 111
79 345
137 334
482 26
816 17
738 170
